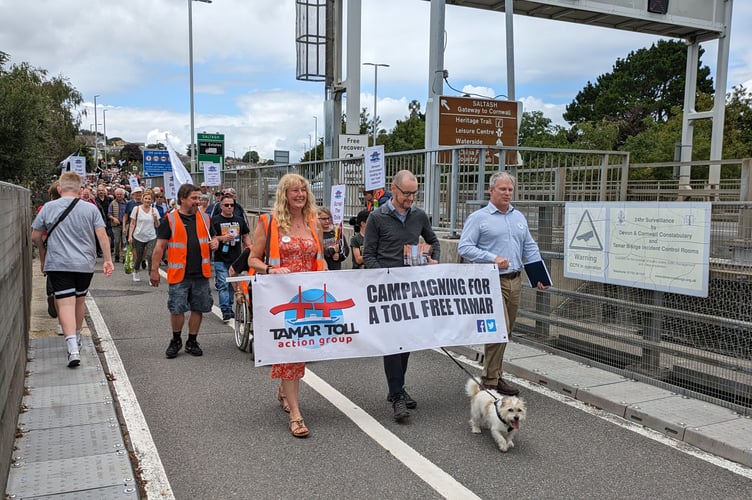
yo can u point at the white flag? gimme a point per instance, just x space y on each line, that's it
179 172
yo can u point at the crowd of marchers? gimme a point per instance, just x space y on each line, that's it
204 233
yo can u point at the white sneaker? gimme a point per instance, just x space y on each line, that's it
78 340
74 359
136 277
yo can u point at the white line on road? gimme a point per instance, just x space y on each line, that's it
626 424
443 483
152 471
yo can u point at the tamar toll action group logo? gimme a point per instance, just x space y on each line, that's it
313 318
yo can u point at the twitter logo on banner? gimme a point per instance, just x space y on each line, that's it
486 325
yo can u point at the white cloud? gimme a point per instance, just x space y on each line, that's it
135 55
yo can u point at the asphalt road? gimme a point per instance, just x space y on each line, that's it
220 432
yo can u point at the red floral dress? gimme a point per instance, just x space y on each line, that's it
298 255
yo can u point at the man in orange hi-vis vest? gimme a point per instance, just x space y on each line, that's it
189 246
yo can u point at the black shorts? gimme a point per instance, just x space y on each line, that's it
65 284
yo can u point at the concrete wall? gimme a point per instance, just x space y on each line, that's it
15 301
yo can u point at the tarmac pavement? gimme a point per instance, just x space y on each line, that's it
71 445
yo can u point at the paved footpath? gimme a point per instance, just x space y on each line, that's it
70 440
209 428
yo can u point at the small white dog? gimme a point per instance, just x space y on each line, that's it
502 415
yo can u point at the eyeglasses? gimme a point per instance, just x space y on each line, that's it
228 204
406 193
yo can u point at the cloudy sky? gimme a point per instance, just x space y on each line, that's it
134 55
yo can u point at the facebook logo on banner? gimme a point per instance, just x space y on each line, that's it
486 325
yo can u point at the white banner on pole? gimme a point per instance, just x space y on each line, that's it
375 168
212 173
338 204
170 191
372 312
76 164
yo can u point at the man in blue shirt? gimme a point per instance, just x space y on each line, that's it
498 233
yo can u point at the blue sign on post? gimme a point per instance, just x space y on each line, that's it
156 162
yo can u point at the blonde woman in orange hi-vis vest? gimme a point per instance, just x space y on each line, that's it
185 235
294 246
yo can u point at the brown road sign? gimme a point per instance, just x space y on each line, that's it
466 121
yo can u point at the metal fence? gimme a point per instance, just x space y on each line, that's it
693 345
696 345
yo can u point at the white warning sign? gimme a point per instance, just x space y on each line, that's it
655 246
586 235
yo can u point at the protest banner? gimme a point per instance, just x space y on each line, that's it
372 312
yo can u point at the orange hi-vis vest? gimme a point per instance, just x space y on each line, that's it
177 247
272 235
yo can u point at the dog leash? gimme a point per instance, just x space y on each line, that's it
482 387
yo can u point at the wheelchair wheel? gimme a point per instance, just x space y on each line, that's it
242 326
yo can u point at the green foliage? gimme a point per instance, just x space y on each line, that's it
132 152
649 83
537 131
251 157
658 141
38 123
407 135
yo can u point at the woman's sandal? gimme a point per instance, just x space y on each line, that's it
283 401
298 428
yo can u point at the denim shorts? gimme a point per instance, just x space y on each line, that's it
190 295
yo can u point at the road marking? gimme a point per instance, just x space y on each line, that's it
435 477
681 446
152 471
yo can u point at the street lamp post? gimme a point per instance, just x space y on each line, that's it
96 134
316 137
190 64
375 92
104 126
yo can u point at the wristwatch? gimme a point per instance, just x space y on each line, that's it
269 268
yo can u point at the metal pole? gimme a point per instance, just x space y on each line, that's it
104 125
375 99
96 134
375 93
316 137
190 65
509 17
190 69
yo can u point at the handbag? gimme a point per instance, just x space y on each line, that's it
128 259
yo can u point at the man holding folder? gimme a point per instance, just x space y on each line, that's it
497 233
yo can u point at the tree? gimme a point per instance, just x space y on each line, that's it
537 131
407 135
38 123
657 142
649 83
251 157
131 152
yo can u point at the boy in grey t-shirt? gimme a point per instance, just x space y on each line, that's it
69 257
